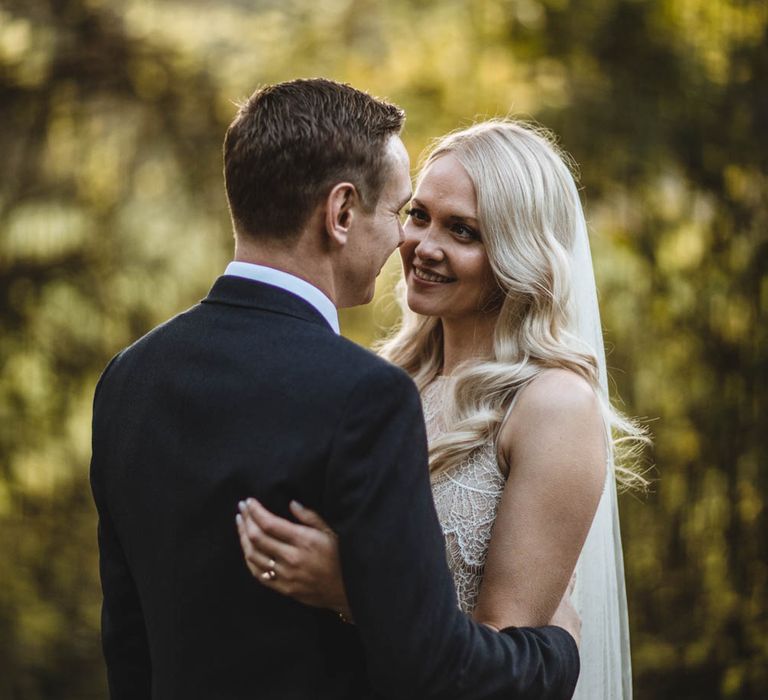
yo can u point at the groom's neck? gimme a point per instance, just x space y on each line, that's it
300 259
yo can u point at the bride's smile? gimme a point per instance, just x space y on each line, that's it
425 275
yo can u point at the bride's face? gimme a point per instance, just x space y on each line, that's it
444 259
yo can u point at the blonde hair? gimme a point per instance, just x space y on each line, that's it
528 211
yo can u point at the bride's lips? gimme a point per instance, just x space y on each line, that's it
428 277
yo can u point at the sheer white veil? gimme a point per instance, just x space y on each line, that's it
599 594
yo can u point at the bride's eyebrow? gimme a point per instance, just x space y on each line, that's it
460 218
463 219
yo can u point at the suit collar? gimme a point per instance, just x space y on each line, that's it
239 291
290 283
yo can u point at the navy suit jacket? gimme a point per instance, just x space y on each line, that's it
250 393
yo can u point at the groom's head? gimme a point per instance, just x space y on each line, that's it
316 153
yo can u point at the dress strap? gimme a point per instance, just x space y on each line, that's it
503 466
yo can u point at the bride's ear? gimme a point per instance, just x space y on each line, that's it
340 209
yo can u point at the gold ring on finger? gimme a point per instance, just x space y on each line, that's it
269 575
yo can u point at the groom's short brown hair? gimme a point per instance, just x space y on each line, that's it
290 143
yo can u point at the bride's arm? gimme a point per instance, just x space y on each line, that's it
553 443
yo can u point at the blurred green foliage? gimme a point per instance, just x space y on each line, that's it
112 218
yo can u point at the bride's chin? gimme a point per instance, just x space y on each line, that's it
418 305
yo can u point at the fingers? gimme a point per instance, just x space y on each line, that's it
260 563
246 545
263 568
572 584
308 516
276 527
262 542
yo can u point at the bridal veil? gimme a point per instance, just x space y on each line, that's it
599 594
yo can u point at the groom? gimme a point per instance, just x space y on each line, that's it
253 393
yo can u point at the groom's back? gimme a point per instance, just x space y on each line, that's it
225 401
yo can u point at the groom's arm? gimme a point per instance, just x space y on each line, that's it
123 634
124 637
418 644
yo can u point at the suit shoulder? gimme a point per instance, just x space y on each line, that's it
167 328
342 368
162 331
370 367
156 334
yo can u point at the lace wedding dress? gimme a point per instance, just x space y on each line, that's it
467 499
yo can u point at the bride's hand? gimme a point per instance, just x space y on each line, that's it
297 560
566 615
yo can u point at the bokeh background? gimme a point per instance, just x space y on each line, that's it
112 218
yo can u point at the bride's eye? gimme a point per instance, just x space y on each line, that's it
416 214
465 232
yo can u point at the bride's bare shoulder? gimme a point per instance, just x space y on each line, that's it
556 420
555 392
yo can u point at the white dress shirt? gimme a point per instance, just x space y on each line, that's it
290 283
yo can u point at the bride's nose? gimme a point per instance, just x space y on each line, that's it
428 247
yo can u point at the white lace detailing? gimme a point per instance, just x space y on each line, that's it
467 498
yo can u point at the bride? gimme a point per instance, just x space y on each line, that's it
502 336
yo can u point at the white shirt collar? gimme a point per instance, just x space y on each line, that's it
290 283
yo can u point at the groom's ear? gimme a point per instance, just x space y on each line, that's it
340 210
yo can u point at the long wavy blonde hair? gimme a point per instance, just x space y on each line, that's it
528 210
